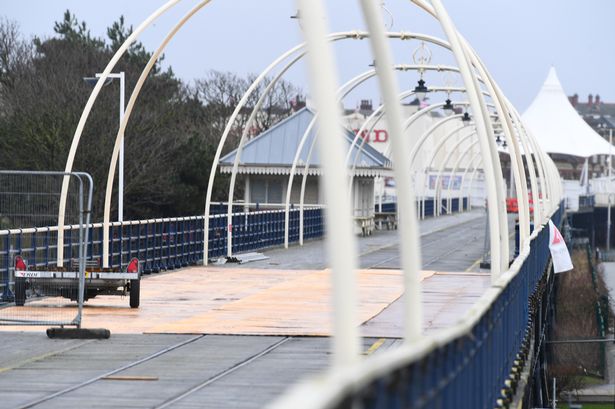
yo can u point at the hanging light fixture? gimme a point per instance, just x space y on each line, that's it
498 139
421 57
420 91
466 118
448 107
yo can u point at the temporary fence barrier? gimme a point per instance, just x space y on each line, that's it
30 275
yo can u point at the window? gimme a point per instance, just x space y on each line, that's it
274 191
258 191
265 190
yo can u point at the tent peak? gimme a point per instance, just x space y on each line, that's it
558 127
552 80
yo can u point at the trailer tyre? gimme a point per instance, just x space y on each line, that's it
20 291
135 293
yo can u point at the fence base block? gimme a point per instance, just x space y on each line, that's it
78 333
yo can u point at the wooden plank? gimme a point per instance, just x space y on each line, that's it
129 378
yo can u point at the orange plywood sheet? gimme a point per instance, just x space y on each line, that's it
238 301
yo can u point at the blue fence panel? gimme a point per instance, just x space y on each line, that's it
391 207
429 206
470 371
454 204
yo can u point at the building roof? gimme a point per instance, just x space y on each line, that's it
558 127
594 107
273 151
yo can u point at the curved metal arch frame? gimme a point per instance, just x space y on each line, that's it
371 14
340 242
438 12
408 223
430 163
175 30
413 118
463 50
314 17
127 113
86 112
454 172
344 90
479 162
437 197
421 141
493 177
330 38
363 76
377 115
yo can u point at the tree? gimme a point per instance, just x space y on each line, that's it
172 134
220 93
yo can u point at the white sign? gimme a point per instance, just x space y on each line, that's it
559 251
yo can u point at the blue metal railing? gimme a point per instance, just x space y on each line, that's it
391 207
466 370
587 200
160 244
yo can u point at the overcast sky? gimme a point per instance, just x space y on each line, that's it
518 40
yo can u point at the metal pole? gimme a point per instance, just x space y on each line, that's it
120 193
554 402
86 112
493 192
406 205
340 242
511 179
608 212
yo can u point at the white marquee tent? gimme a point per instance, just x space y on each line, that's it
558 127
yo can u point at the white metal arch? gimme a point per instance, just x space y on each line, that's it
479 162
331 38
408 227
377 115
455 169
435 152
493 175
323 81
86 112
127 113
418 146
437 195
339 239
344 90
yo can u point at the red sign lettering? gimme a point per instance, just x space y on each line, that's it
380 135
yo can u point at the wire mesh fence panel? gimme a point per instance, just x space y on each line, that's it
42 264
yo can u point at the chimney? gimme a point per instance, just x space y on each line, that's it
590 100
297 103
366 105
574 100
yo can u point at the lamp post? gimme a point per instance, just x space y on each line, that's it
92 81
608 211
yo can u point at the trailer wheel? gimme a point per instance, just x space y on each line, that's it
135 293
20 291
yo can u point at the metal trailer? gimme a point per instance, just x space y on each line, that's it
62 282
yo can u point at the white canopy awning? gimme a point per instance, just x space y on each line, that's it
558 127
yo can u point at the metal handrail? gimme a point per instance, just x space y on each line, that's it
333 387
